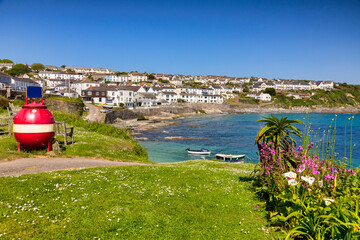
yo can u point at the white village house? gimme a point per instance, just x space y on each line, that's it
260 96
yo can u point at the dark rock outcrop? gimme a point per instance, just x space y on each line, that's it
123 114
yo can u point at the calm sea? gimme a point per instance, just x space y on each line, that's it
235 134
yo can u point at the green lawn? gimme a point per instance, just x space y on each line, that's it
190 200
96 140
86 144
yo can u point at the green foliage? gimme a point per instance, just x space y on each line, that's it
164 81
37 67
141 118
121 73
344 95
270 91
201 111
6 61
4 102
315 198
180 100
280 133
70 71
193 84
18 69
63 66
151 77
19 102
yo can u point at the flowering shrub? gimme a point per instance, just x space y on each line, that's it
316 198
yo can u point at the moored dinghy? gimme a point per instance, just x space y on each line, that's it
202 151
230 158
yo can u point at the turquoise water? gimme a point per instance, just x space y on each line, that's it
235 134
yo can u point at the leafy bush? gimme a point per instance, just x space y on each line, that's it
270 91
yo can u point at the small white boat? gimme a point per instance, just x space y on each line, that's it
202 151
230 158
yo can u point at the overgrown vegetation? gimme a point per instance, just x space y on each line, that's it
189 200
341 96
344 95
309 192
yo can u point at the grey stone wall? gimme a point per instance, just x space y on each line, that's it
63 106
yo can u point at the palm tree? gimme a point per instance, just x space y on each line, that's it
278 131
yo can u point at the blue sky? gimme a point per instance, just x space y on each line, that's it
317 40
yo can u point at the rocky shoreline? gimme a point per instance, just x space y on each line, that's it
164 116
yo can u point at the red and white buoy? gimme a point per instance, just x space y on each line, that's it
34 126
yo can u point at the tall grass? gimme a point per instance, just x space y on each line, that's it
324 146
351 144
102 128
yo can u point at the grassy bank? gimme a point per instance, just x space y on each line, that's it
90 140
192 200
341 96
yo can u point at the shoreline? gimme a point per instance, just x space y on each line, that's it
163 118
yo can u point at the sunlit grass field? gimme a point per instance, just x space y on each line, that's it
190 200
95 140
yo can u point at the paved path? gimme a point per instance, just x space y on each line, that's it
36 165
94 114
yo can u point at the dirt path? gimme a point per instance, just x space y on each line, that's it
36 165
94 114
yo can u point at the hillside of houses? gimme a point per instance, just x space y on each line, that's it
133 89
